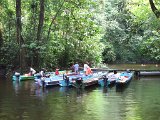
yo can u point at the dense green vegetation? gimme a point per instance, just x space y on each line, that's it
56 33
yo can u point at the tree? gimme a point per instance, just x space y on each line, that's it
72 34
19 36
40 30
146 26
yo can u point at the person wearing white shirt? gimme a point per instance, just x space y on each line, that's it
85 67
32 71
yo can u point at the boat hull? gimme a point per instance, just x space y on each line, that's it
87 81
108 80
125 77
22 78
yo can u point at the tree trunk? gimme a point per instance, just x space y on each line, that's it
19 27
154 9
39 32
1 38
19 37
18 21
41 19
34 20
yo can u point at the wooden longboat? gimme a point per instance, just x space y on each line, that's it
87 81
22 78
124 78
109 79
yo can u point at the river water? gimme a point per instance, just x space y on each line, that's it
139 100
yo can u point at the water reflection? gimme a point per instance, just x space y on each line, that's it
16 86
122 88
139 100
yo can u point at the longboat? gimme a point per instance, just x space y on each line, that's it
22 77
87 80
109 79
124 78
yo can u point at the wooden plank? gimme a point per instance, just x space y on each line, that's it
110 70
152 73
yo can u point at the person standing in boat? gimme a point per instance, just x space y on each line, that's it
42 72
87 69
57 71
32 71
113 76
76 68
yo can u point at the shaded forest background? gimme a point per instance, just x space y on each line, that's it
57 33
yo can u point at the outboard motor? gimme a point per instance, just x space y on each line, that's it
79 82
105 79
66 78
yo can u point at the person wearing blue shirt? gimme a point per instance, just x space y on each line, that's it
76 67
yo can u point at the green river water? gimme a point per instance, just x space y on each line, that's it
139 100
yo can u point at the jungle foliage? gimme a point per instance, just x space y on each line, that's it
132 30
57 33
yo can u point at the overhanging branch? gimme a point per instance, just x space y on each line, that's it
154 9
